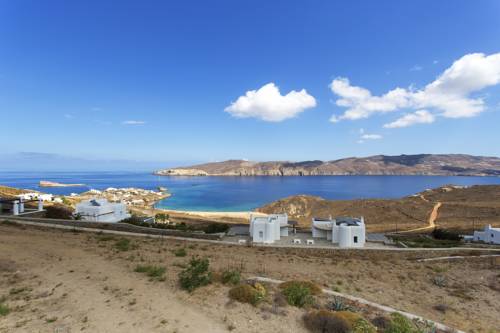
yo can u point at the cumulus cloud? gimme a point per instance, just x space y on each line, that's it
133 122
449 95
268 104
418 117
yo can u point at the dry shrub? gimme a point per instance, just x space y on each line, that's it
314 289
324 321
58 211
246 293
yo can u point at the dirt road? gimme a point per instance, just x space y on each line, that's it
431 221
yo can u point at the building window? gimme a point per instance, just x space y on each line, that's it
355 239
261 234
492 236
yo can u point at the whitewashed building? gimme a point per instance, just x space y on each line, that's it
269 228
100 210
488 235
345 231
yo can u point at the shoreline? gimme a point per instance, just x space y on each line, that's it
242 215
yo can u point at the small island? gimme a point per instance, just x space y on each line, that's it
46 183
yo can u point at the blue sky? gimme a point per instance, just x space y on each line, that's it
159 81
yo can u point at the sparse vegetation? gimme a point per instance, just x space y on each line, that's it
4 309
300 293
230 277
124 244
180 252
246 293
154 272
337 304
401 324
439 281
196 274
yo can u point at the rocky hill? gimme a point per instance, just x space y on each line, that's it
422 164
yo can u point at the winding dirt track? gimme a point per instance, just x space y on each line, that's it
432 218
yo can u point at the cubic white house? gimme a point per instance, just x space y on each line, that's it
268 229
100 210
489 235
346 231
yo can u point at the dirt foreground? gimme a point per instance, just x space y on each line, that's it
63 281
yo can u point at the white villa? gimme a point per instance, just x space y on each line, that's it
346 231
100 210
269 228
488 235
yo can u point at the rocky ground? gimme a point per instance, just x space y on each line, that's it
65 281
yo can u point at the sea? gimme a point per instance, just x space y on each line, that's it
234 194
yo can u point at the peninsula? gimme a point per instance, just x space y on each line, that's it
421 164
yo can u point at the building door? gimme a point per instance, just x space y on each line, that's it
355 239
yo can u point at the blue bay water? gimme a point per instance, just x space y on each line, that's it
240 193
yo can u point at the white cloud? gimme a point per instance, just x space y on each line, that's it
449 95
268 104
416 68
68 116
371 137
133 122
418 117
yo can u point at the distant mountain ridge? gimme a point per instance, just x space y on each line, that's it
421 164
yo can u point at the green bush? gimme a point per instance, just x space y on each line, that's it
324 321
180 252
231 277
445 234
214 228
300 293
246 293
4 310
196 274
154 272
363 326
401 324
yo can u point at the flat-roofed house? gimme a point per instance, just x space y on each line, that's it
268 228
488 235
345 231
100 210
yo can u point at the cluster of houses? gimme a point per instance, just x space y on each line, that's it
129 196
343 231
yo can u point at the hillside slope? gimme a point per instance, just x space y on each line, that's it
423 164
462 208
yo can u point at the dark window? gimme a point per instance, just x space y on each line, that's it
492 236
355 239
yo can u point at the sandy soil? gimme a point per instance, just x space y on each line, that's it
63 281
